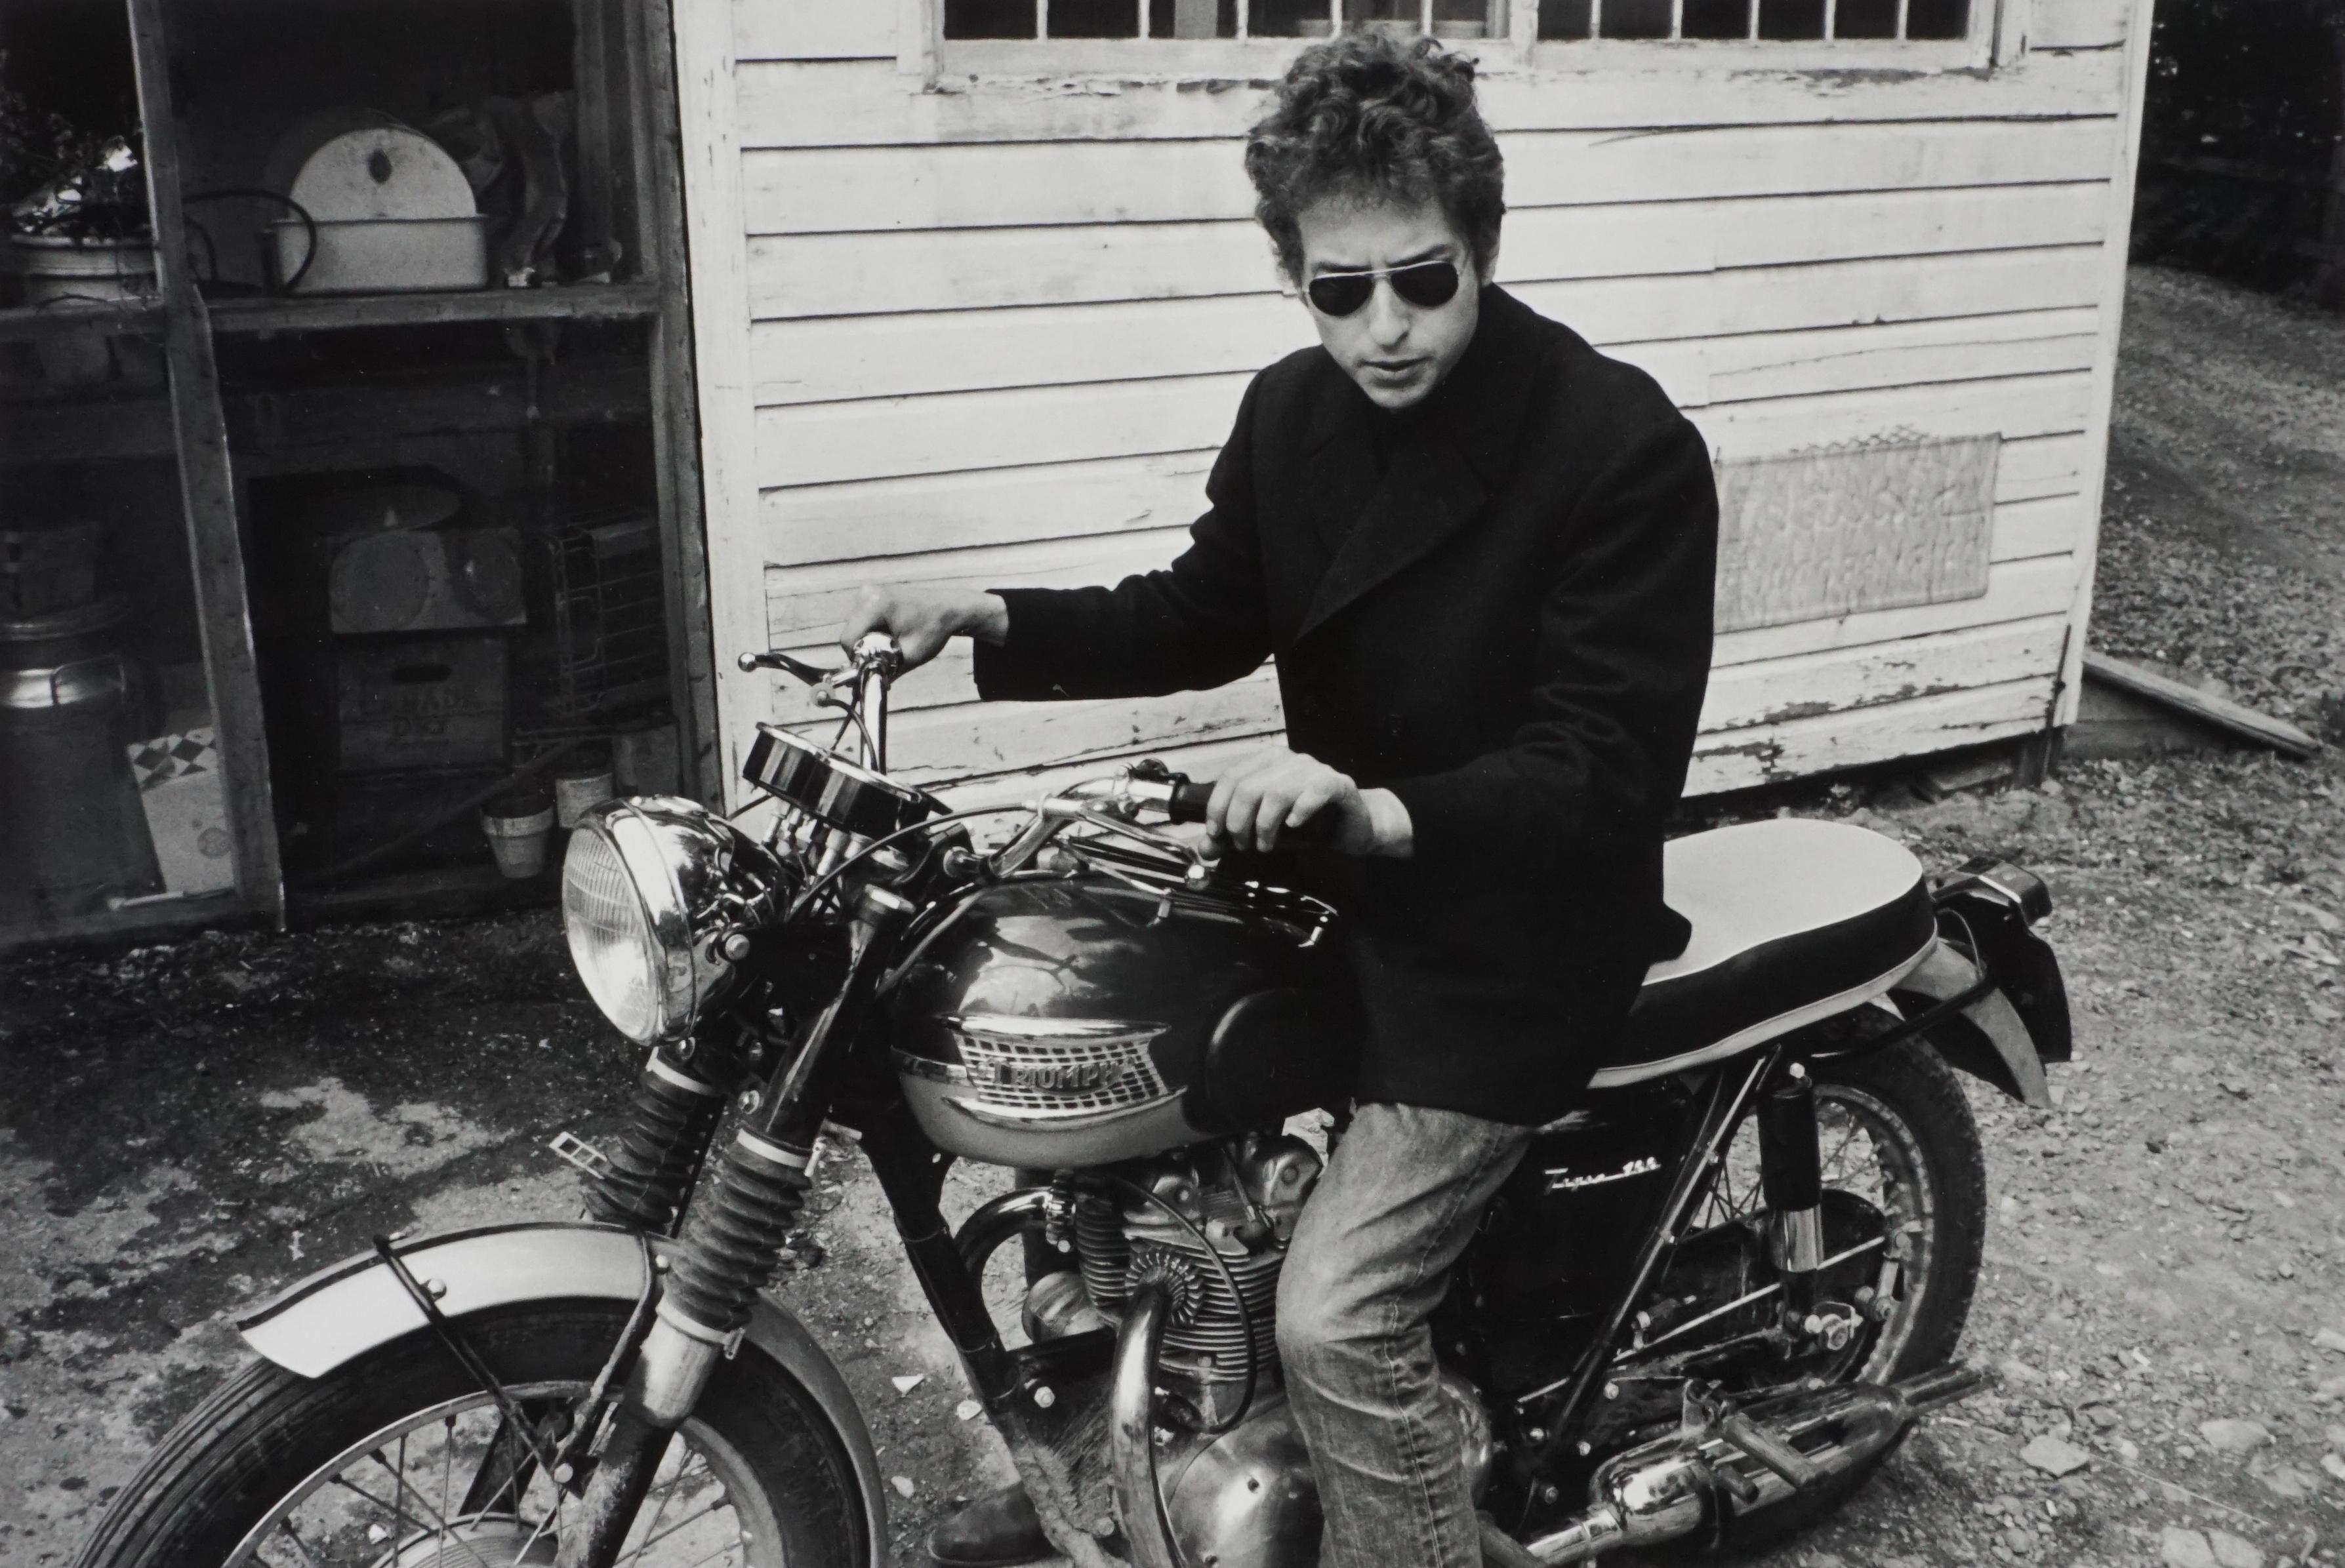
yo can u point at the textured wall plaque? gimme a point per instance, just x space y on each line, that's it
1869 526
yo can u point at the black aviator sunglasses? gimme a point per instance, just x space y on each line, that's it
1423 284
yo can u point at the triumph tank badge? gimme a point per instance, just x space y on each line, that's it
1562 1181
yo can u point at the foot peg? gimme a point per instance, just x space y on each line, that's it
1708 1416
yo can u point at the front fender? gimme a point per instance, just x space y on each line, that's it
1986 1039
350 1308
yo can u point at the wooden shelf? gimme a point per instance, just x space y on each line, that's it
339 312
150 919
361 422
34 324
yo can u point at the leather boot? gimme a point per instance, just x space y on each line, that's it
996 1530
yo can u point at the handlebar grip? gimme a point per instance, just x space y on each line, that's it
1190 797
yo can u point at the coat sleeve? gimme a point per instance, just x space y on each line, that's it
1621 662
1201 621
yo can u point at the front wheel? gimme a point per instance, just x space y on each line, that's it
399 1460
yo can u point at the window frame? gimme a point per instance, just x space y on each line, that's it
1997 37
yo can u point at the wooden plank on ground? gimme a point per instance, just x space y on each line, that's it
789 30
1022 185
2221 713
1744 759
828 104
834 275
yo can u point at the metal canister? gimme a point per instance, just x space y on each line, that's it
72 831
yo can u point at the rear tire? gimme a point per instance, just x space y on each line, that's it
1911 1084
261 1439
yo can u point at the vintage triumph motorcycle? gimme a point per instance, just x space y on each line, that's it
1710 1304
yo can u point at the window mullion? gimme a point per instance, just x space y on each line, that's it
1832 20
1246 18
1143 25
1903 7
1041 18
1677 18
1750 20
1595 20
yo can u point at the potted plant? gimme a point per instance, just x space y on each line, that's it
78 231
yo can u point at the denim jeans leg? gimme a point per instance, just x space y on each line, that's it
1369 1263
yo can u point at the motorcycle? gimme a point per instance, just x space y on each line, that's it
1710 1304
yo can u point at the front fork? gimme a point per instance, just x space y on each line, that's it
732 1244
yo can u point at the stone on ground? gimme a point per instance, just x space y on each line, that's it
2181 1548
2054 1456
2228 1434
2230 1551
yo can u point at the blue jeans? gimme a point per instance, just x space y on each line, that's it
1369 1263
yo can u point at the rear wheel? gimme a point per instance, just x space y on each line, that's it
1904 1185
399 1460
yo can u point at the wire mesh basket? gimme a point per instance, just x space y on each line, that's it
609 642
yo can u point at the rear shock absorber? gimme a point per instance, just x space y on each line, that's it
670 1120
1790 1173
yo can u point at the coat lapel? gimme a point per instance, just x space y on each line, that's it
1441 475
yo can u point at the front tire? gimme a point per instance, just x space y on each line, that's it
393 1462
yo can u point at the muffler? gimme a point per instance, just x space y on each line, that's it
1699 1481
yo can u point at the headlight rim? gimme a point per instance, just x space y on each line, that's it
657 839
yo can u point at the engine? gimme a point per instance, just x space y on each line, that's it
1237 1205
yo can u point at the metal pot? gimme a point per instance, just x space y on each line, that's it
72 831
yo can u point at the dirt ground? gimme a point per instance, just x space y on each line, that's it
184 1127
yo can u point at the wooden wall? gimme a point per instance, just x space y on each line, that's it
992 333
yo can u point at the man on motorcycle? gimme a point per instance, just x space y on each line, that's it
1482 556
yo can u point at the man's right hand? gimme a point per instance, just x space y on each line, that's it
923 620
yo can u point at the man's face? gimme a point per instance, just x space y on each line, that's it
1396 351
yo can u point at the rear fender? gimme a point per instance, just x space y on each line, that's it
343 1311
1986 1039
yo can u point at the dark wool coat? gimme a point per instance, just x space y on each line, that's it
1495 606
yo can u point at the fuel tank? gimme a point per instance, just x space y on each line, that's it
1072 1021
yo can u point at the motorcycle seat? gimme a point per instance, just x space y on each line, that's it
1794 921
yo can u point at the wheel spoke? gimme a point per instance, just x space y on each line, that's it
291 1535
653 1541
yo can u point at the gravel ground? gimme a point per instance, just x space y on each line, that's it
186 1127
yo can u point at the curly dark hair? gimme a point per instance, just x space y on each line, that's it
1370 116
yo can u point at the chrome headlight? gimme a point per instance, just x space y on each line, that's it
650 889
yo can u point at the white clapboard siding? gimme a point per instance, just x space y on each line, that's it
1744 759
834 359
2080 24
870 522
1842 679
796 30
866 104
1841 695
996 329
1017 185
2032 551
827 442
843 359
862 274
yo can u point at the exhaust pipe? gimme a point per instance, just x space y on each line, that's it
1672 1488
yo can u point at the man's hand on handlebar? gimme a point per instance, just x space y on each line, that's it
1274 792
923 620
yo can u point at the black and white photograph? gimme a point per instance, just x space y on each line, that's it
1171 784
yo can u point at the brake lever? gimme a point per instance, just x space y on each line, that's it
812 674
